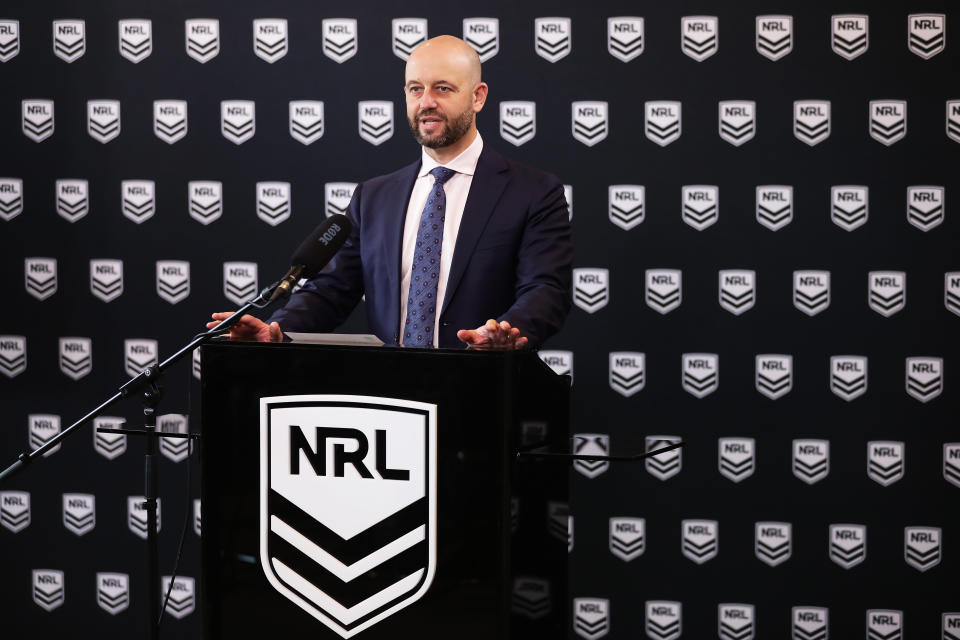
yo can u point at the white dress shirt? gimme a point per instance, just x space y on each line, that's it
456 189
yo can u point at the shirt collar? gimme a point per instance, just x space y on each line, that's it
465 163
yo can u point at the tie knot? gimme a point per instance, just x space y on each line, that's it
441 174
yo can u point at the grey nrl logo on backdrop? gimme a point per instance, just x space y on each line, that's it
625 204
79 513
773 542
925 207
774 375
625 37
408 34
37 119
663 619
69 39
662 121
13 355
306 120
375 120
183 598
699 36
591 617
339 38
137 516
885 461
175 449
810 623
848 376
135 39
589 121
849 35
73 199
737 120
270 38
483 34
173 280
238 121
138 199
774 36
561 362
700 373
663 466
953 120
922 547
41 428
552 39
888 120
202 39
591 444
139 353
700 205
239 281
113 592
848 544
885 624
736 458
887 291
337 196
924 378
40 277
737 289
14 510
663 289
627 372
811 291
109 445
951 463
106 279
849 206
591 288
927 34
273 202
170 119
811 460
736 621
518 121
76 357
811 121
205 199
48 589
11 198
9 39
699 540
627 538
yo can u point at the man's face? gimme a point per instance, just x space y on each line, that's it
440 100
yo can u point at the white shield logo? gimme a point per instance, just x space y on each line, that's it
176 449
924 378
586 444
136 39
927 34
79 512
848 544
561 362
699 36
849 206
700 375
37 119
699 539
106 279
591 617
663 619
568 196
137 199
736 458
884 624
273 202
183 598
169 119
76 357
811 121
888 120
736 621
137 516
202 39
13 355
195 361
811 291
810 623
337 196
849 35
391 488
811 460
138 355
113 592
628 537
774 36
738 120
738 289
239 281
42 428
591 288
11 198
625 204
306 120
773 542
9 39
951 463
14 510
206 200
921 547
774 206
196 516
173 280
339 39
848 376
560 523
627 372
887 291
408 34
925 207
885 461
552 40
953 120
73 200
701 205
664 289
40 277
483 34
531 597
625 37
662 121
109 445
270 38
375 120
69 39
589 122
663 465
48 588
238 121
518 121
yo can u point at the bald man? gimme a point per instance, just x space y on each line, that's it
461 238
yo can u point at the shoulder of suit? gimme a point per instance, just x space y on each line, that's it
526 174
404 172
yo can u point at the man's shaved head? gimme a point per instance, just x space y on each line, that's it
457 52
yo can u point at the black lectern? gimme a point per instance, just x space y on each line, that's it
376 492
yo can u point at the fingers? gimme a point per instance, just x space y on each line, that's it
275 334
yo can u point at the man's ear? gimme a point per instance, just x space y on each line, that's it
479 96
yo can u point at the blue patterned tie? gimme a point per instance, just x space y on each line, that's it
425 270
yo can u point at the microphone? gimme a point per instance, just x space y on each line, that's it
315 252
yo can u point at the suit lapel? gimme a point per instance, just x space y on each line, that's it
397 195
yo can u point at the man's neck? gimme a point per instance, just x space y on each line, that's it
445 154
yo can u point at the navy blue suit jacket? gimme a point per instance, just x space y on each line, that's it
512 259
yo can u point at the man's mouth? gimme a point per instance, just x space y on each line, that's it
430 123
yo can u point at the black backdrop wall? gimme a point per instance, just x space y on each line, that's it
885 456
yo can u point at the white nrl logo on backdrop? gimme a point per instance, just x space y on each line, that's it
811 460
774 36
663 465
591 288
76 357
69 39
924 378
175 449
887 291
205 199
811 291
699 539
922 547
408 34
137 199
736 458
183 598
848 376
849 206
383 484
774 206
273 202
885 624
306 120
927 34
530 597
339 39
951 626
848 544
809 623
888 120
169 119
811 121
136 39
627 372
195 361
483 34
735 621
662 121
953 120
738 289
552 38
885 461
11 198
37 119
48 591
663 619
625 37
109 445
375 120
270 38
518 121
700 205
849 35
43 427
137 516
13 355
15 510
925 207
589 122
951 463
73 201
700 373
699 36
337 196
561 362
239 281
591 617
40 277
663 289
202 39
626 204
173 280
238 121
738 120
106 279
9 39
196 516
585 444
113 592
773 542
79 513
627 537
138 355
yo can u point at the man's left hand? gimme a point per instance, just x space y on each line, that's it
493 336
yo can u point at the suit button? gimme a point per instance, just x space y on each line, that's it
396 337
444 324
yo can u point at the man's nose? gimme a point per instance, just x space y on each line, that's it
427 100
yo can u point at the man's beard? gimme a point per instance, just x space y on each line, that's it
452 131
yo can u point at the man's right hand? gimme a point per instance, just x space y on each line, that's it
249 328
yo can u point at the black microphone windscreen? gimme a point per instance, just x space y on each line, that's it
319 247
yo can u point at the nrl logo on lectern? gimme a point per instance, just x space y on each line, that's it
205 199
375 120
699 539
169 119
773 542
202 39
37 119
924 378
700 205
625 37
329 526
238 120
339 38
774 36
591 444
811 121
922 547
811 291
810 623
888 120
925 207
113 592
848 376
79 513
138 355
173 280
736 621
306 120
591 617
627 538
700 373
136 39
273 202
43 427
737 458
69 39
664 289
483 34
849 35
887 291
48 588
14 510
663 619
848 544
337 196
589 121
738 120
106 279
885 461
408 34
927 34
591 288
11 198
552 38
40 277
9 39
73 199
663 466
885 624
518 121
700 37
627 372
270 38
13 355
849 206
811 460
662 121
625 204
76 358
137 201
